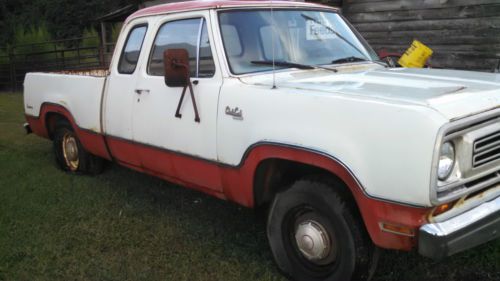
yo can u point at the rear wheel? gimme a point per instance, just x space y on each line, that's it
70 154
316 234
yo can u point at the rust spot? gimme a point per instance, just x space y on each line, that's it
98 72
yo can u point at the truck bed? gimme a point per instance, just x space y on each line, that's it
80 92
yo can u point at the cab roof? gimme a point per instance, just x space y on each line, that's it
216 4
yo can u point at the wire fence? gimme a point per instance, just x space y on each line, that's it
59 55
5 69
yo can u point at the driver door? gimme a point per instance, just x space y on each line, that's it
180 148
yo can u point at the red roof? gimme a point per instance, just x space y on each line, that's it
213 4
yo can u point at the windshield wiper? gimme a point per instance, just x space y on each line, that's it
291 64
348 59
356 59
283 63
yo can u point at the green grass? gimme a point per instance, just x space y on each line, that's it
123 225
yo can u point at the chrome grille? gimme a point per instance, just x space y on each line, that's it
477 185
486 149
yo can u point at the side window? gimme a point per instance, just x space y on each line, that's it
132 50
190 34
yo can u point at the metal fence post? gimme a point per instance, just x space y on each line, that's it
12 64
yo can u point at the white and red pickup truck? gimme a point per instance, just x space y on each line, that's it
284 106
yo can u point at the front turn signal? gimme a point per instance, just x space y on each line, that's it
397 229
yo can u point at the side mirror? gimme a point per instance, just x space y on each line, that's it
176 63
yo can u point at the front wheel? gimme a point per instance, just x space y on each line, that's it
316 234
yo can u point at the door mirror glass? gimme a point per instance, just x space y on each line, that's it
177 70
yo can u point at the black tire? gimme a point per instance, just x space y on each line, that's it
83 162
349 255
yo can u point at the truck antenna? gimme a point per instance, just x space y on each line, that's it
273 27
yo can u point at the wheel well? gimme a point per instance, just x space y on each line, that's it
275 175
51 119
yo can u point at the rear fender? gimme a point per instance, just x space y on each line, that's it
44 126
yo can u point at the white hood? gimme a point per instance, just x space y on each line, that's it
455 94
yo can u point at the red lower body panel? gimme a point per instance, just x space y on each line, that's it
238 186
182 170
93 142
237 183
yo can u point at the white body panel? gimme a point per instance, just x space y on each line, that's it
154 121
383 124
121 91
80 95
387 146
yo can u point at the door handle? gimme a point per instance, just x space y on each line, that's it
141 91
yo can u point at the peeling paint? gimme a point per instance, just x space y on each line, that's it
467 203
99 72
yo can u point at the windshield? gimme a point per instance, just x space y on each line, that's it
305 37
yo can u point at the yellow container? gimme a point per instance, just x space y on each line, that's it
416 56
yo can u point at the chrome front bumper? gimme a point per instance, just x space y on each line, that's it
469 229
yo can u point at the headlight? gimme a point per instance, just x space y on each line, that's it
446 160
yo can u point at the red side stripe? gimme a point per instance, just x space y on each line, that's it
236 183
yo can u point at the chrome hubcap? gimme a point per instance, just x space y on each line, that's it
70 151
313 241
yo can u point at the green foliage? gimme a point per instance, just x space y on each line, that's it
32 40
65 19
69 18
14 13
115 31
3 56
31 36
90 38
